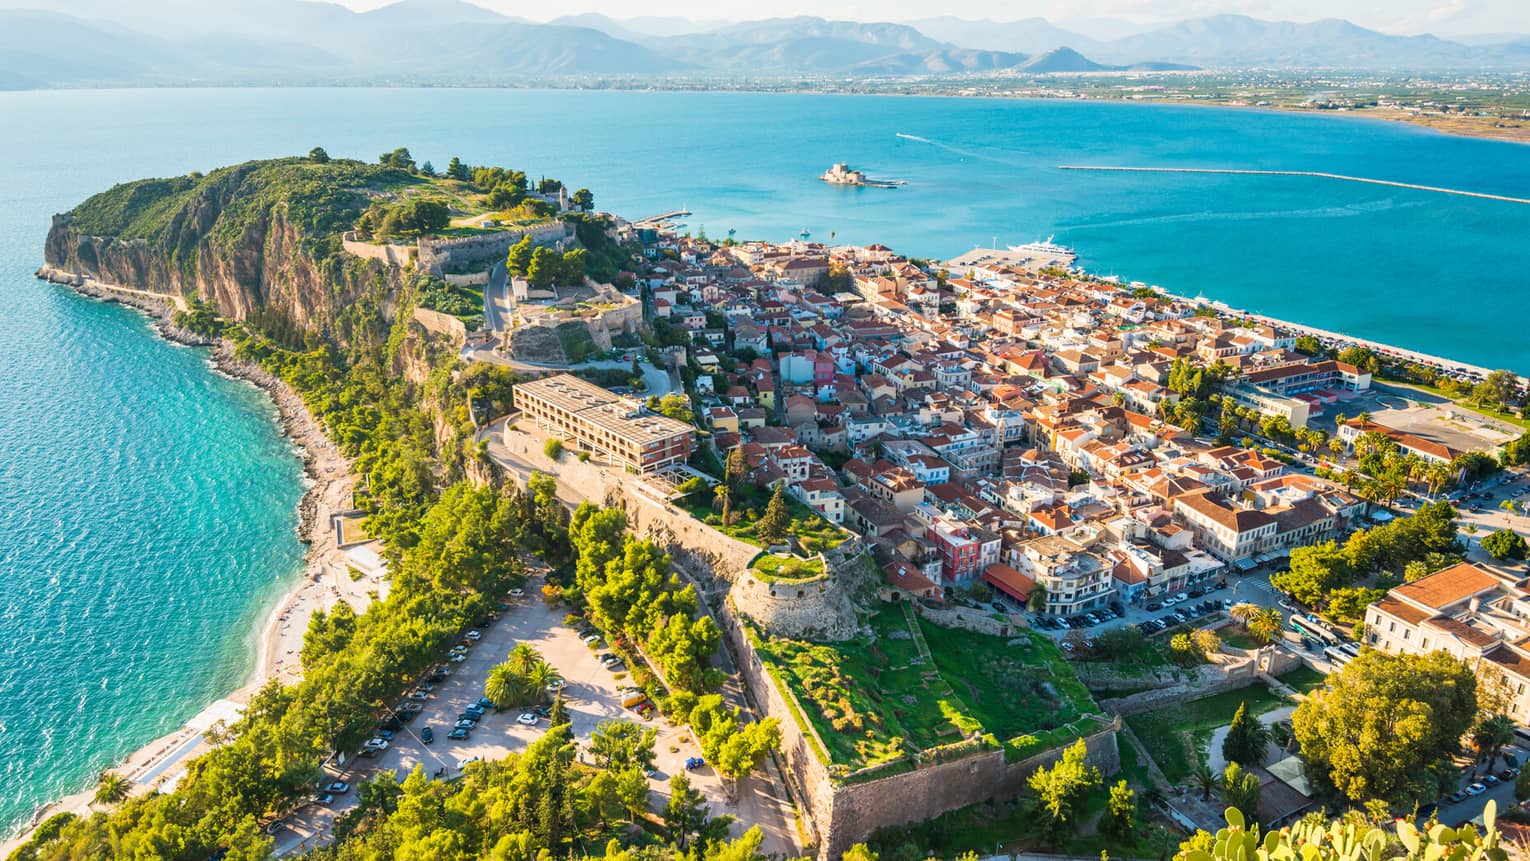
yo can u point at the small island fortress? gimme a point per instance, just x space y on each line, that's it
842 174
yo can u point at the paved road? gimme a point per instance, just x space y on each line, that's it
1469 809
496 299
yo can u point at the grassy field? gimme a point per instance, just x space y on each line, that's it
814 533
776 567
875 699
1174 735
1303 678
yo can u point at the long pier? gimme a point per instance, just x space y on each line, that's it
1307 173
663 217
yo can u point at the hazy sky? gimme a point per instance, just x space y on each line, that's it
1394 16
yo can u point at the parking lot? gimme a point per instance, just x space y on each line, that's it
591 694
1201 603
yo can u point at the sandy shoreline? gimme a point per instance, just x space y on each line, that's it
324 582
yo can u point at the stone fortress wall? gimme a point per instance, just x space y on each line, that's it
838 813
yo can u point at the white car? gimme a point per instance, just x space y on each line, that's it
527 719
517 593
377 744
473 635
458 658
464 763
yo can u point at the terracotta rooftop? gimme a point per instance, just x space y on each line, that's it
1443 588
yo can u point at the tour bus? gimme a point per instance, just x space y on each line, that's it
1340 657
1314 630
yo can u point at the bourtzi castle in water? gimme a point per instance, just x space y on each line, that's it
842 174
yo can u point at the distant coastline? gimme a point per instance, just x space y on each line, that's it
1464 126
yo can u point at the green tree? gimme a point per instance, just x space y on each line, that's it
1205 780
1361 357
1058 788
518 260
1246 739
632 790
734 468
771 527
859 852
620 745
1240 789
1505 544
1265 624
317 155
553 448
1121 813
583 199
455 169
112 788
685 815
1388 725
545 267
1490 736
1314 571
399 158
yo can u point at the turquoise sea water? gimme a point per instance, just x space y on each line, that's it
148 506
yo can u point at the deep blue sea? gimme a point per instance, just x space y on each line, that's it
148 505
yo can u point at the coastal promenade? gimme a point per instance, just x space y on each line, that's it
1307 173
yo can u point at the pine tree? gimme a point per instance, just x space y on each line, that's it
772 526
735 469
558 714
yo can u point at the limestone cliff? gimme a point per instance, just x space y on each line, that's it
257 241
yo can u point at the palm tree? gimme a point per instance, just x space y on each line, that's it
112 788
1437 476
1336 446
1492 735
523 657
1243 611
502 685
1264 624
1508 509
1037 600
539 678
1206 780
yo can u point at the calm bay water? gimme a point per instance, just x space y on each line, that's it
148 505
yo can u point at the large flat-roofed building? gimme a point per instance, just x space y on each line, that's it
589 418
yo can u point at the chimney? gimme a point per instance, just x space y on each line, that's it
1476 603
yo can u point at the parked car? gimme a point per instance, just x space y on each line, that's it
1154 606
517 593
338 787
464 763
427 735
1490 779
323 798
1476 789
473 635
465 723
486 703
458 658
458 733
694 762
527 719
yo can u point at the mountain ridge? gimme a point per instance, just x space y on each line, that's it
456 41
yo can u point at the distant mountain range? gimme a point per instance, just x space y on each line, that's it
74 43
